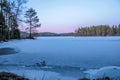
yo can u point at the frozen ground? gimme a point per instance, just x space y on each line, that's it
68 58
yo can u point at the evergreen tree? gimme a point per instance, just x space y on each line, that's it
10 11
32 20
99 30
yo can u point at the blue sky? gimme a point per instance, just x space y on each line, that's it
67 15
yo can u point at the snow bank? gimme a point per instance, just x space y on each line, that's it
110 71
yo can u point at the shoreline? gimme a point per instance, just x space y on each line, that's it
11 76
111 72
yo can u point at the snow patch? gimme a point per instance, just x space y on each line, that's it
110 71
39 74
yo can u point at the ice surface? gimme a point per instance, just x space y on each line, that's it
66 55
39 74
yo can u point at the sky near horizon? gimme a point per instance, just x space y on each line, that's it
67 15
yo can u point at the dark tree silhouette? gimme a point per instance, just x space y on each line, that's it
32 20
10 11
99 30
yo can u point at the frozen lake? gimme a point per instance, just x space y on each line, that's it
67 56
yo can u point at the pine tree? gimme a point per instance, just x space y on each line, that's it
10 11
99 30
32 20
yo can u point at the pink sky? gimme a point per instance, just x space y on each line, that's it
52 29
67 15
56 29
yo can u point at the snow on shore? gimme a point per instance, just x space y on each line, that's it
110 71
39 74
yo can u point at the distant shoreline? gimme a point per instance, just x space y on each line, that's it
50 34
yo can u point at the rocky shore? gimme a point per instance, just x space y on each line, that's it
11 76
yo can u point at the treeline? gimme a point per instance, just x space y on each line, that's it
10 19
47 34
10 11
99 30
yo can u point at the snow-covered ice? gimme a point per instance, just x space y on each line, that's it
39 74
65 56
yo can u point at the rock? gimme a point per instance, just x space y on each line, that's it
84 79
41 64
10 76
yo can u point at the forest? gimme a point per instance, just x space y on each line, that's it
12 15
9 18
99 30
